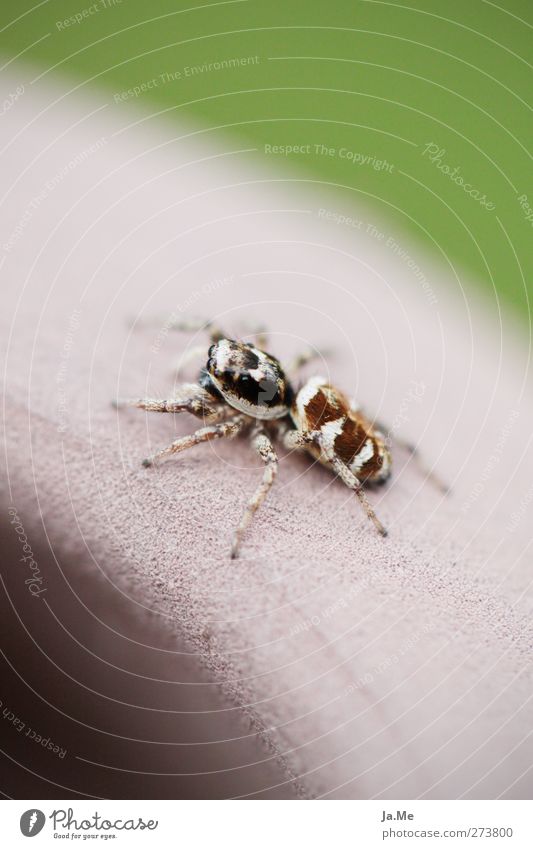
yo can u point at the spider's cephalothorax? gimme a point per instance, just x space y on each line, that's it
242 389
248 379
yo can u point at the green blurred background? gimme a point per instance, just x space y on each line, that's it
380 79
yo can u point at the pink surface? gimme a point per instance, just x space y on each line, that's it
394 668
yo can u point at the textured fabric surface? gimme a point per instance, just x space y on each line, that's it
393 668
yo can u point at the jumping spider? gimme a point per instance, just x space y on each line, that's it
242 389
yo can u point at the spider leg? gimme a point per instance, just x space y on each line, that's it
412 449
261 336
265 449
296 439
302 359
300 439
228 429
182 325
189 356
195 400
197 406
192 325
391 439
423 469
352 482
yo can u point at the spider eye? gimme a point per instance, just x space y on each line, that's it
247 386
268 393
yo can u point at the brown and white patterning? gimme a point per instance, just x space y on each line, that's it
332 428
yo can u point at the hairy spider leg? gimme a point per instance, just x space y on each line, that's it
302 359
192 325
295 439
435 479
262 444
412 449
195 400
195 325
352 482
227 429
191 354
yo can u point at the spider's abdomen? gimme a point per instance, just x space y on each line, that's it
345 433
249 379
